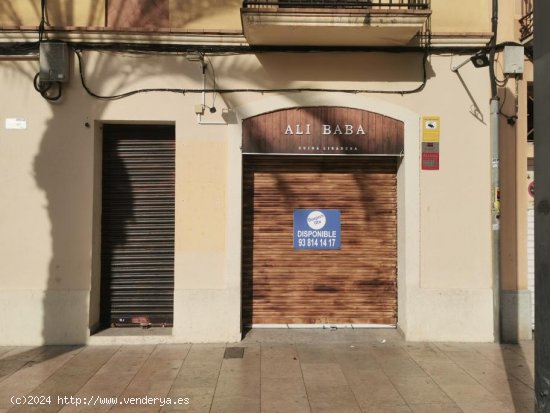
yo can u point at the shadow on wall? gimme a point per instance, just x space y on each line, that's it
342 67
178 14
183 12
59 13
65 169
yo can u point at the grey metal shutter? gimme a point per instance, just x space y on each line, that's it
137 241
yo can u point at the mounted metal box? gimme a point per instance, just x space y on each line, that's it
54 62
513 60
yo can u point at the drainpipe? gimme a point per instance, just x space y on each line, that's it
495 177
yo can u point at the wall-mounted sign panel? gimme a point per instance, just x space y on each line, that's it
323 131
16 123
431 126
316 229
430 156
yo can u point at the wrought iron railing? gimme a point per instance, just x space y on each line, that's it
526 26
339 4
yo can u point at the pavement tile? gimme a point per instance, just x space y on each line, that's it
448 378
328 389
503 387
402 368
527 407
417 390
199 401
354 358
442 369
488 407
468 393
235 404
171 351
292 371
111 379
26 379
238 385
391 408
283 395
4 350
19 357
435 408
197 379
373 390
323 375
280 362
68 379
155 378
316 353
333 399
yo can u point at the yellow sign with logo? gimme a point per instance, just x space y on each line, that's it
431 126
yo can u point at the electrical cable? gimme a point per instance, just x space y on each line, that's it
44 87
510 119
42 25
16 48
39 86
501 82
213 80
122 95
249 90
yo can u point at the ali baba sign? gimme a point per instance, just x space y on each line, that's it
323 131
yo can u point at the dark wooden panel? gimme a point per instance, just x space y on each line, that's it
137 238
356 284
323 130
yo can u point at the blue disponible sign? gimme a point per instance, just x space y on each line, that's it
316 229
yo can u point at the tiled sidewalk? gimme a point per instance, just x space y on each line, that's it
290 371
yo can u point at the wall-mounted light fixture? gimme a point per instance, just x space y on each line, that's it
480 59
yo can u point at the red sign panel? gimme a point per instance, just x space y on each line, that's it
430 161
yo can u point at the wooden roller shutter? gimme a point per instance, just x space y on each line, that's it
356 284
137 249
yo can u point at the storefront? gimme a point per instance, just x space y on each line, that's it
320 217
199 222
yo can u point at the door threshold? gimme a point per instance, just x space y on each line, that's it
132 335
328 326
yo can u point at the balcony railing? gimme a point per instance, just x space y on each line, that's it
526 22
334 22
338 4
526 26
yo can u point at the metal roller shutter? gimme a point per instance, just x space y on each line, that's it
137 249
356 284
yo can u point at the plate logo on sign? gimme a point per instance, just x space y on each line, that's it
316 220
316 229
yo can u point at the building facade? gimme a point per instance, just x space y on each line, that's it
207 167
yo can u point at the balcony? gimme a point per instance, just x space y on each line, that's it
333 22
526 29
526 23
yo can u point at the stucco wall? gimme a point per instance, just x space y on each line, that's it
59 12
50 172
466 16
460 17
